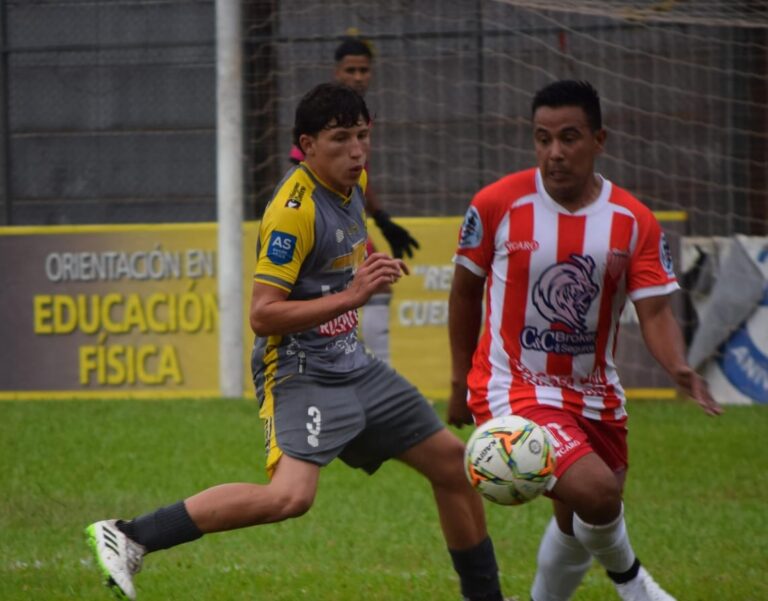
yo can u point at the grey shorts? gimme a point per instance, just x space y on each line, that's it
364 418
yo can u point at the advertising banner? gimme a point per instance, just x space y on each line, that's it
132 312
105 311
729 281
419 311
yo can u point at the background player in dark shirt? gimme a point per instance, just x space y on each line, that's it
354 68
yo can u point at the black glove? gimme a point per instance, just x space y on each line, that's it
397 236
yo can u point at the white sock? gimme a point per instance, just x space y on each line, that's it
561 565
375 325
608 543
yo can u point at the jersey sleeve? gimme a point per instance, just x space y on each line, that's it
286 236
651 270
476 236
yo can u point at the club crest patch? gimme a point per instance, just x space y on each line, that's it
616 263
471 230
565 292
563 295
281 247
296 196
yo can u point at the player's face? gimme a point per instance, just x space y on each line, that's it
338 154
566 149
354 71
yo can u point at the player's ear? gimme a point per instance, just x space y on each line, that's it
307 144
600 136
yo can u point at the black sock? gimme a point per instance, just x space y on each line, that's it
166 527
622 577
478 572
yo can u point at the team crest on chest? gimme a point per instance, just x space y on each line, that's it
616 263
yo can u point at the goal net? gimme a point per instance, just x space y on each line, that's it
683 86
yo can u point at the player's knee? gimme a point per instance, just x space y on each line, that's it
293 504
601 503
451 472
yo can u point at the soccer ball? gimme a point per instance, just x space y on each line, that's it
509 460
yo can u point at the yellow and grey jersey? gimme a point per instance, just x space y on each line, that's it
311 241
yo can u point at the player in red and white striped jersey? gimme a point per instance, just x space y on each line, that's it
556 251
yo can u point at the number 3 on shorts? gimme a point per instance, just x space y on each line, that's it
313 427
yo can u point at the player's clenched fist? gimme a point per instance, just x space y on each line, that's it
378 271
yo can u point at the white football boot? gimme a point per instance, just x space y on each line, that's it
642 588
118 557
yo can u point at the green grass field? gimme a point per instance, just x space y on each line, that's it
697 508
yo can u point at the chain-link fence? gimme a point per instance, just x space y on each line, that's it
107 109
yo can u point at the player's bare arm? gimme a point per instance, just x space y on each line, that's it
664 340
465 308
272 313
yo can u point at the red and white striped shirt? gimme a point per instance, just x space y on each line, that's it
556 285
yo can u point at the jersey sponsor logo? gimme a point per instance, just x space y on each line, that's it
471 229
514 246
665 254
281 247
563 295
351 260
346 344
591 385
557 341
339 325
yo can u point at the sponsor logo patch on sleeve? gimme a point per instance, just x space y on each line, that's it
666 256
471 230
281 247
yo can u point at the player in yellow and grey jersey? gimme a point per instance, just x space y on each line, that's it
311 241
321 395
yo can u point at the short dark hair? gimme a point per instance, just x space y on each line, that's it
352 46
568 92
325 105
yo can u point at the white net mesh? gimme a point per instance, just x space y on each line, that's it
683 86
731 14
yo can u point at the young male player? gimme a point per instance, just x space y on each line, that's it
354 67
558 249
321 395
